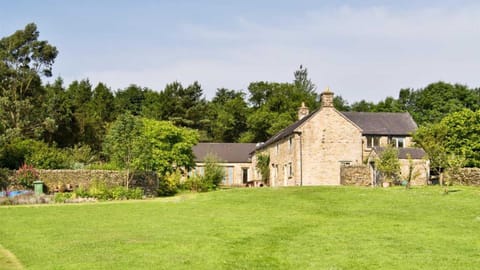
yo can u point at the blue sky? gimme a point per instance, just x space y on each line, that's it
360 49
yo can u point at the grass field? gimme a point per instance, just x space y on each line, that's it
283 228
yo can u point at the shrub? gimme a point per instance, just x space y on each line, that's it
26 175
169 184
214 173
62 197
100 191
196 183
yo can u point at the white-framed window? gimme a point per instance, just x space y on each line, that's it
398 142
373 141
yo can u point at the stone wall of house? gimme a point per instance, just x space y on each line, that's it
466 176
61 180
283 155
329 140
357 175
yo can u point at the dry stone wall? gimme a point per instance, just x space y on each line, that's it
357 175
62 180
466 176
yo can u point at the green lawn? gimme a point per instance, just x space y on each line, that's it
267 228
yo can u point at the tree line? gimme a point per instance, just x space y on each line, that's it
77 119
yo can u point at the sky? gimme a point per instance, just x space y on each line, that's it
361 50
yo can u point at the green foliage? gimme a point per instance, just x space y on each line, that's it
166 147
213 173
457 134
26 175
432 103
4 178
228 115
62 197
263 166
388 164
169 184
23 59
43 156
124 144
212 177
275 106
100 191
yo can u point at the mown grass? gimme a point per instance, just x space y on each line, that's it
283 228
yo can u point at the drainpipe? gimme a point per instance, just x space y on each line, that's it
299 133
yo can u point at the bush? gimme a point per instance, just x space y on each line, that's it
211 180
26 175
196 183
169 184
100 191
214 173
62 197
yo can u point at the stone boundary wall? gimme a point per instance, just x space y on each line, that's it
466 176
62 180
356 175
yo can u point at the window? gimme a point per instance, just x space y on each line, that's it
373 141
290 143
398 142
245 175
276 149
290 169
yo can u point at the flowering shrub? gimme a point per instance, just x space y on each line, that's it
26 175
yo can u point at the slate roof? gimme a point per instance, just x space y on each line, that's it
415 153
371 124
226 152
382 123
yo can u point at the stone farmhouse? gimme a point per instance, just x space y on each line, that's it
324 147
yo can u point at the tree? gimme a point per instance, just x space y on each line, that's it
23 60
463 135
275 106
130 100
166 147
124 146
302 82
432 103
341 104
388 163
458 134
228 115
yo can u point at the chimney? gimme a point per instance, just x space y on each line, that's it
327 98
303 111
